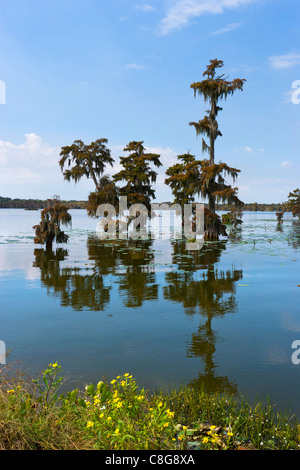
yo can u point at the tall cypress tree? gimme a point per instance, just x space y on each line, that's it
212 184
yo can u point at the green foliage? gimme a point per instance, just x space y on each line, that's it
294 202
121 416
85 160
232 218
48 384
49 228
182 177
35 204
118 415
211 183
138 175
190 177
108 193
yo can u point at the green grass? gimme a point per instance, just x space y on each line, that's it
118 415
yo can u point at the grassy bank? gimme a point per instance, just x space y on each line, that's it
118 415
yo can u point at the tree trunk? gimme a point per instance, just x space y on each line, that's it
212 137
49 244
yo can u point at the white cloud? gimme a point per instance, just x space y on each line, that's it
136 66
180 12
264 189
145 7
285 163
32 153
286 61
226 29
30 169
248 149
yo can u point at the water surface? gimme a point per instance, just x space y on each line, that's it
224 317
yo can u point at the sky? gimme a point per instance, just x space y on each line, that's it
122 70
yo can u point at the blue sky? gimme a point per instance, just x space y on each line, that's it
86 69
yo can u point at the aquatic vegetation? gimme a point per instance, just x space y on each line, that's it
117 415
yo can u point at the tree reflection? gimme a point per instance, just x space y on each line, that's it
89 287
208 291
130 262
75 289
294 237
124 271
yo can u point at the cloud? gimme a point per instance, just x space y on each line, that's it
30 169
226 29
136 66
168 157
264 189
285 164
145 7
248 149
32 153
287 61
180 12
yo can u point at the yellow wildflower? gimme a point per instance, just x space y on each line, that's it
89 424
205 440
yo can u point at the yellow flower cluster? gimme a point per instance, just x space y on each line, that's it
212 436
115 407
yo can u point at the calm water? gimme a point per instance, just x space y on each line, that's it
224 316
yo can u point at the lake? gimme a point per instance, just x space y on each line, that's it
224 317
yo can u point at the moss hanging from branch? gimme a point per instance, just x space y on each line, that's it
211 183
53 217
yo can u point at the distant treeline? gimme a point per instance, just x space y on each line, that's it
8 203
255 206
33 204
